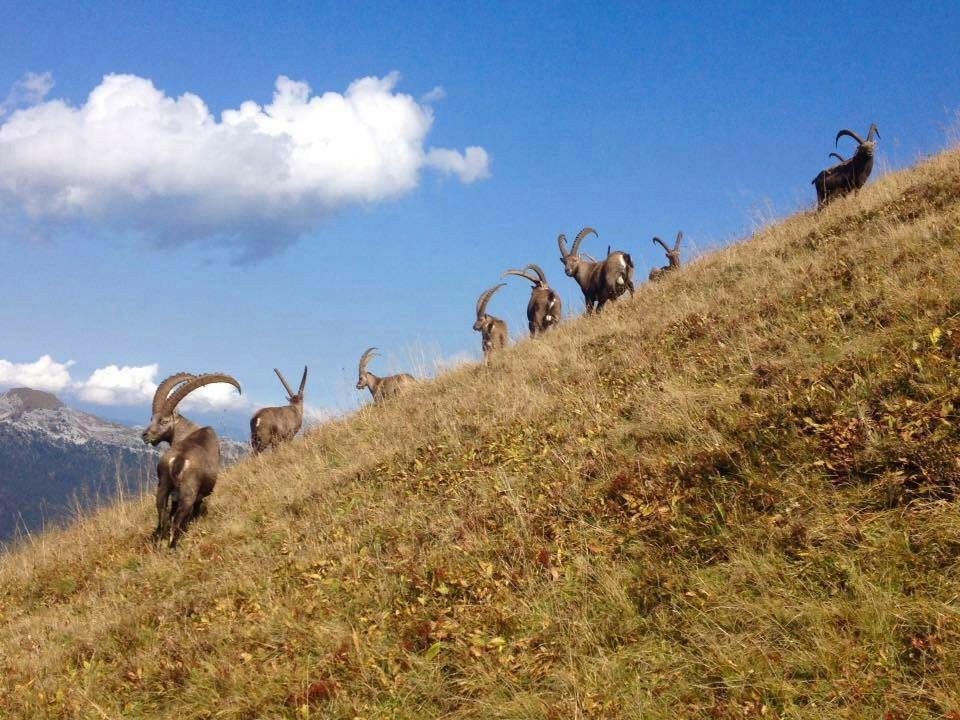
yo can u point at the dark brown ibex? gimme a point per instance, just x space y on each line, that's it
380 387
545 308
274 425
493 330
848 175
187 471
673 257
600 281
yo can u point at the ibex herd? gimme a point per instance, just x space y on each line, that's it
187 471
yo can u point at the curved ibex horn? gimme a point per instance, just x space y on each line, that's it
197 382
676 245
303 381
850 133
539 271
874 132
520 273
164 388
579 239
365 358
284 381
562 242
485 298
662 244
838 156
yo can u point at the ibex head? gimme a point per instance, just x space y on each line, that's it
571 258
483 320
293 398
364 381
867 146
673 255
538 280
164 412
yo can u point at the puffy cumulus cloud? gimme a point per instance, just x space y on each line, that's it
44 374
133 158
114 385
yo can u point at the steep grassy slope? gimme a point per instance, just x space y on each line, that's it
730 497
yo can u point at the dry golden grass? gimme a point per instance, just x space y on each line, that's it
732 496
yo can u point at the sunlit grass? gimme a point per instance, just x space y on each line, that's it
732 496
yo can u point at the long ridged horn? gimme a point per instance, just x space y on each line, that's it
874 132
579 239
539 271
303 381
838 156
365 358
485 298
676 245
197 382
164 388
850 133
562 243
662 244
520 273
284 381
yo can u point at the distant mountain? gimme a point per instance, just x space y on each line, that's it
53 457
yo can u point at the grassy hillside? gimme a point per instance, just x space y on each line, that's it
732 496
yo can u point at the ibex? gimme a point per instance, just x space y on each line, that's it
600 281
673 257
493 330
850 174
187 471
380 387
544 309
274 425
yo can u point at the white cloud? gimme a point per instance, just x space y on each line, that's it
133 158
44 374
435 95
29 90
472 165
114 385
313 415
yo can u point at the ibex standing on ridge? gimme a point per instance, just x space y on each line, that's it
601 280
380 387
187 471
544 309
274 425
850 174
673 257
492 329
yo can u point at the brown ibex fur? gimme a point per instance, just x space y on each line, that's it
848 175
492 329
187 471
673 257
274 425
600 281
545 308
380 387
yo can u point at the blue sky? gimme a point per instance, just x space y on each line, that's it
227 255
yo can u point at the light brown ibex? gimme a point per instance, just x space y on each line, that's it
600 281
187 471
545 308
673 257
492 329
271 426
380 387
